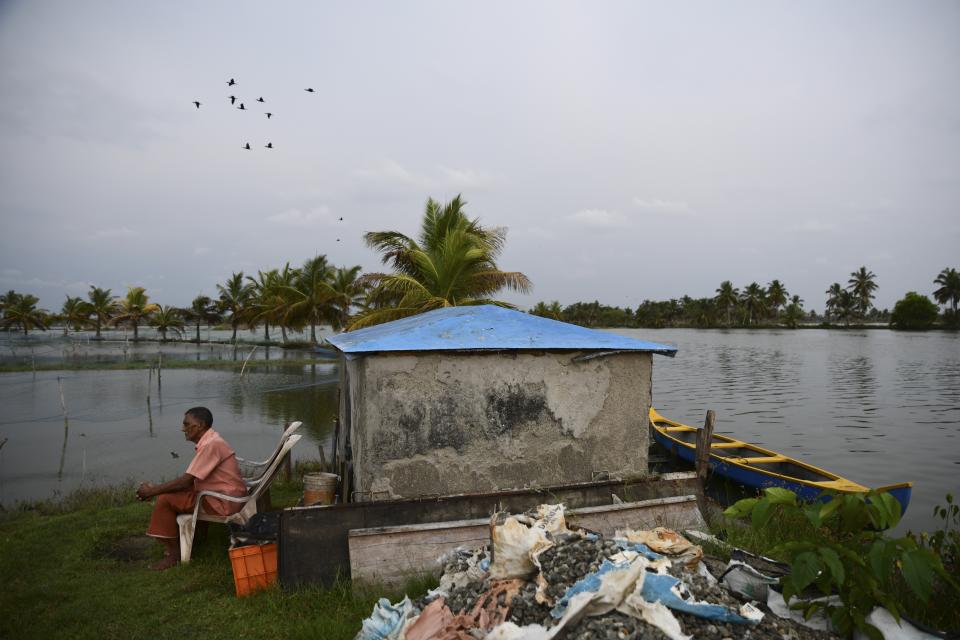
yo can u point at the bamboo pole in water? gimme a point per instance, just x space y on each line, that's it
149 410
66 428
247 360
159 370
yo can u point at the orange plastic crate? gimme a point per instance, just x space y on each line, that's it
254 567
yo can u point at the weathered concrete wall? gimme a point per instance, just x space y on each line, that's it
450 423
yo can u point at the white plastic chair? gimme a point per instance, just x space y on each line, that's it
188 521
253 472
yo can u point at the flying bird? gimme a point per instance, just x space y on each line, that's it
268 115
310 89
231 83
260 99
174 454
269 145
247 146
341 218
338 239
241 107
197 102
233 99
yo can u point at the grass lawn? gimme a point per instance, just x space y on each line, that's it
78 569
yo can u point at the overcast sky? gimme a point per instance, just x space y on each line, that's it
634 150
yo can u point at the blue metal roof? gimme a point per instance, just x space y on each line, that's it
485 327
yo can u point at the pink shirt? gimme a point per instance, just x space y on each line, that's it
214 468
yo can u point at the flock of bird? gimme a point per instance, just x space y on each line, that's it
246 146
233 101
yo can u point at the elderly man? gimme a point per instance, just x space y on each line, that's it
213 468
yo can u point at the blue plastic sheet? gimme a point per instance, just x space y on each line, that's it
387 620
589 582
638 547
660 588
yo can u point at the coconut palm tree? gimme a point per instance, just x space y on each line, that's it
777 296
862 284
235 297
168 318
75 313
727 297
834 296
134 308
20 310
793 314
8 299
753 300
949 291
201 310
451 263
311 294
271 300
351 291
102 306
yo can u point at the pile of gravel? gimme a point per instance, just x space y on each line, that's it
573 558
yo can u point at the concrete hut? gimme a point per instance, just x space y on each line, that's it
482 398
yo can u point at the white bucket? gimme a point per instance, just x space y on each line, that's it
319 488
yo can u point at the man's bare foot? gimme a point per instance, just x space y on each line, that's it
166 563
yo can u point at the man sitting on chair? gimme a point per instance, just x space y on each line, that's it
214 468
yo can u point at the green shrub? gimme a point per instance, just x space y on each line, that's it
846 553
914 312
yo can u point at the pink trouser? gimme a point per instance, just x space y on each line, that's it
163 520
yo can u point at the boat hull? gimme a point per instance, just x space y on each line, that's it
757 479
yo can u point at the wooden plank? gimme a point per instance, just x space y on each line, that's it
313 540
391 555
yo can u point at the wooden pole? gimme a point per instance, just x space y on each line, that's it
159 369
246 360
66 429
149 408
704 438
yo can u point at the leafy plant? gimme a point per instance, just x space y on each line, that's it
846 553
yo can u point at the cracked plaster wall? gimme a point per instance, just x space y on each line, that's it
451 423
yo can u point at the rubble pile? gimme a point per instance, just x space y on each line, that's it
539 580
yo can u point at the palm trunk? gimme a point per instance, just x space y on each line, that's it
98 327
198 332
283 333
136 334
266 331
313 333
234 337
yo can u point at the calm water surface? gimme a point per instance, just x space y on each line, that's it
113 435
877 406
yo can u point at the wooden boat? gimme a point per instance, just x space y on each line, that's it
756 467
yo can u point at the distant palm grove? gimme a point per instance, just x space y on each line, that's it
758 306
452 262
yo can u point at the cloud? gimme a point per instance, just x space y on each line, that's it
669 207
392 172
201 251
539 232
389 172
114 232
812 225
298 218
15 278
599 219
465 178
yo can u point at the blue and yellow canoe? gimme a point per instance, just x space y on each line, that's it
756 467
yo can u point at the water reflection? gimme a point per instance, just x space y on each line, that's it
130 429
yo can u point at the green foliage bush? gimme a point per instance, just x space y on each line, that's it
846 553
914 312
